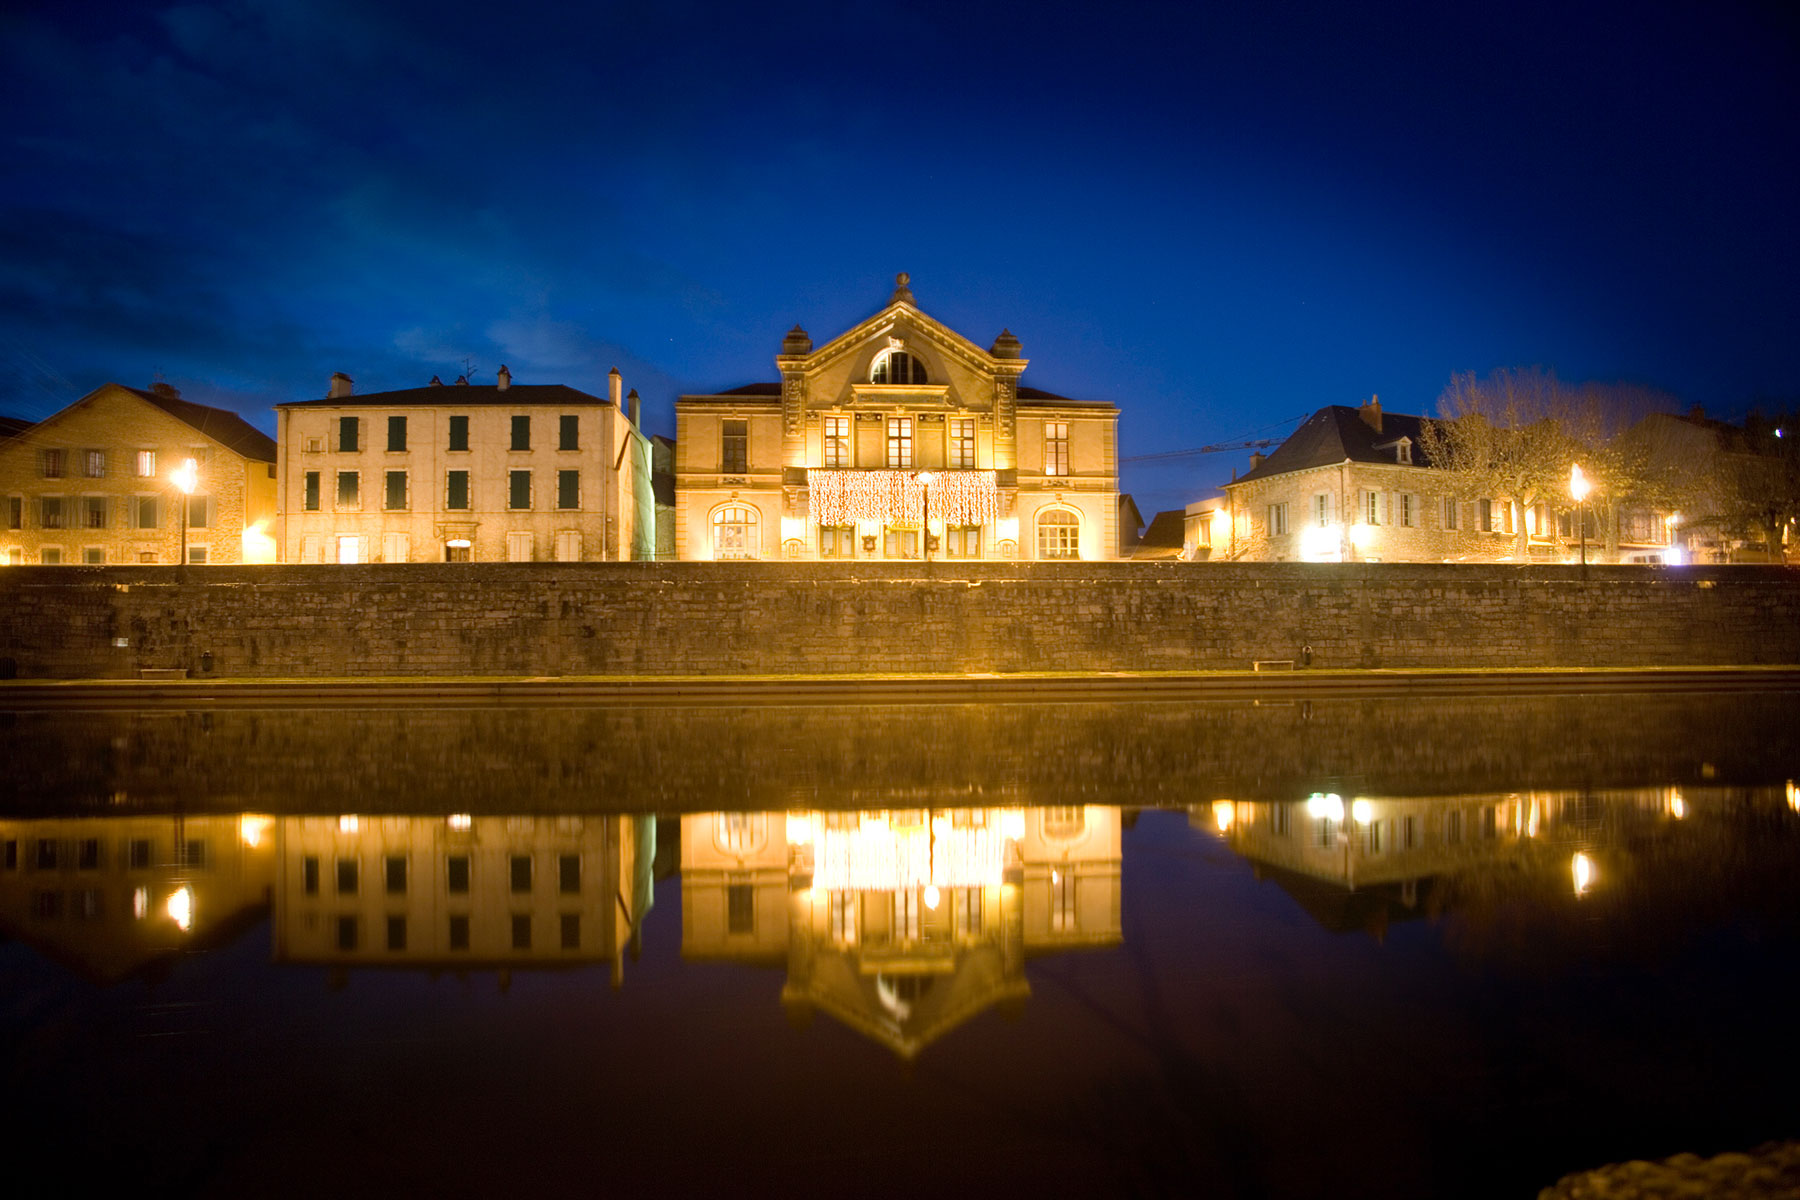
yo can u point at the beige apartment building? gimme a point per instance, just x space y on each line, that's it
97 483
897 439
464 473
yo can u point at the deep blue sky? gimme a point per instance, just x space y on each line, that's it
1217 216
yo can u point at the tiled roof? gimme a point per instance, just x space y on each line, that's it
222 426
13 427
1167 532
459 395
1336 433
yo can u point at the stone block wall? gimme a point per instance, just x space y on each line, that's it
826 618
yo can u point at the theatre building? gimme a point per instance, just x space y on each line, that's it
898 439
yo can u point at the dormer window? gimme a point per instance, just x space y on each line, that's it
897 366
1403 451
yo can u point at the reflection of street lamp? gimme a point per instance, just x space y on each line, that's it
1579 488
185 477
925 478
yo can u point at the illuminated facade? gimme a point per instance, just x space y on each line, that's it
897 438
900 923
95 483
464 472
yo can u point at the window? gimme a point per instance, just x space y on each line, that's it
94 556
962 443
734 532
459 932
458 550
1409 832
346 933
1056 447
93 463
1062 900
897 366
346 876
899 443
521 433
349 491
310 492
456 873
1403 451
734 446
394 873
196 554
309 873
199 511
1484 515
1372 508
568 545
1408 509
1322 510
837 541
521 931
15 512
87 854
146 464
395 497
568 874
521 872
50 512
837 441
962 541
314 445
459 433
456 489
900 543
1453 827
395 547
520 546
568 489
518 489
1450 513
1059 534
50 556
93 512
396 933
53 463
1278 519
740 908
396 434
349 548
1372 837
137 856
568 432
348 434
570 930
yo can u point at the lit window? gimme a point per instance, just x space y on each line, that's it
962 541
53 463
1450 513
837 441
94 463
899 443
837 541
94 512
1056 447
1322 510
734 446
1407 507
962 443
1059 534
146 464
734 532
50 512
1372 507
900 543
897 366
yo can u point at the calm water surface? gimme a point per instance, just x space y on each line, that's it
1345 948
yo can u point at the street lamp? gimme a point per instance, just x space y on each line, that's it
925 478
1579 488
185 477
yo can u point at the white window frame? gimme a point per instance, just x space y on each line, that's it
1053 535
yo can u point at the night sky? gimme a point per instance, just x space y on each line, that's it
1217 216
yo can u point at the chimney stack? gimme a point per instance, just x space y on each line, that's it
503 378
435 382
614 384
1370 412
634 409
1256 460
341 385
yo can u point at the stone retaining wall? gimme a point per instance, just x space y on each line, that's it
724 618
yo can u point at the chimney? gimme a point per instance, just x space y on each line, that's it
503 377
1697 414
1256 460
461 381
435 382
613 386
341 385
167 391
634 409
1370 412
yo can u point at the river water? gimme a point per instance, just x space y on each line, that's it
1343 948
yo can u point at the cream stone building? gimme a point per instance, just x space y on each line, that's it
897 439
96 483
464 472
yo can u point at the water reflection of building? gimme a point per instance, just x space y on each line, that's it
900 923
461 892
109 896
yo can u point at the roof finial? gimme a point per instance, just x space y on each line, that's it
902 293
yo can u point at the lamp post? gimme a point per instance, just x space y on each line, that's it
1578 488
925 478
184 478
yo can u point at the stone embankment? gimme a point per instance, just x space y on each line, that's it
1765 1173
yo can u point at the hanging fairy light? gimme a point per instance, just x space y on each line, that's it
898 498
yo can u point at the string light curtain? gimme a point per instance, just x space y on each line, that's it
897 498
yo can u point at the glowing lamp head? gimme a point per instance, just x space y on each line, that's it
932 897
1363 811
186 476
1223 812
925 477
1578 484
181 908
1582 868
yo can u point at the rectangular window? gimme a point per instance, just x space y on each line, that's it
459 433
740 908
1278 520
837 441
1409 832
571 931
568 545
396 434
395 547
396 875
94 463
459 932
1322 510
87 854
568 873
1453 830
348 434
146 464
309 874
53 463
310 492
50 512
521 872
521 931
93 556
1450 513
837 541
899 443
50 556
346 876
521 433
1372 508
568 489
518 489
15 512
1407 509
456 489
349 548
346 933
520 546
199 511
94 512
396 933
962 443
314 445
1484 515
396 491
734 446
196 554
1056 447
568 432
147 512
349 491
137 855
456 873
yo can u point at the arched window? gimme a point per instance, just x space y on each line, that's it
1059 534
734 531
897 366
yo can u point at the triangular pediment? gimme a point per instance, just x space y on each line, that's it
906 322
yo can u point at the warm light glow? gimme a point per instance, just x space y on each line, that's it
1012 823
1363 811
931 898
1677 806
793 527
458 543
1793 796
1531 819
461 822
140 903
181 908
185 476
1578 484
1055 875
925 477
1582 867
348 824
1223 811
1006 529
799 829
1361 535
258 546
1674 557
876 857
1325 804
1322 543
252 827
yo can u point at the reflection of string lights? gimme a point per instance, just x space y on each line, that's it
877 857
181 908
461 822
1582 867
252 827
1329 805
1223 811
931 898
1677 805
140 903
1793 795
348 824
1363 811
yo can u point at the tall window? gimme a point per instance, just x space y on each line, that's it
1484 515
146 464
50 512
396 433
459 433
568 489
94 512
53 463
1322 509
456 489
521 546
1408 504
94 463
568 432
396 491
899 443
962 443
734 532
962 541
518 489
349 492
1450 513
310 492
15 512
837 441
837 541
1056 447
897 366
1278 519
734 446
521 433
1372 508
1059 534
146 512
348 434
